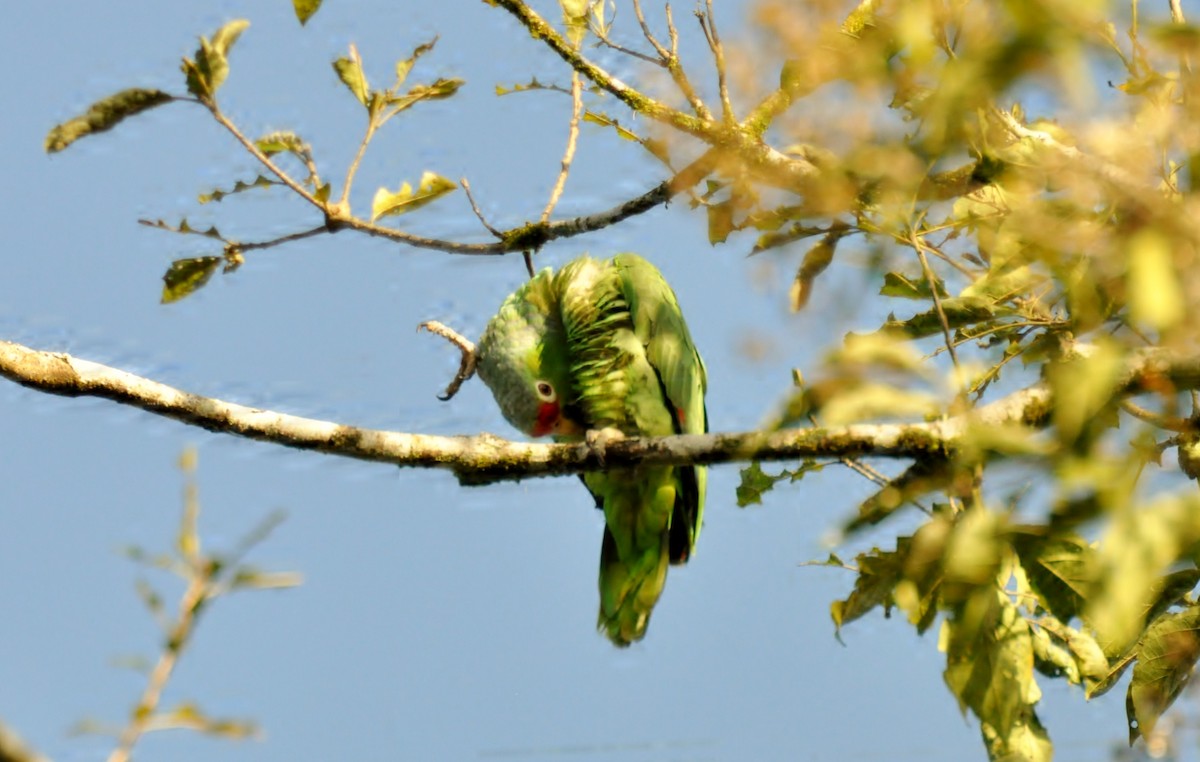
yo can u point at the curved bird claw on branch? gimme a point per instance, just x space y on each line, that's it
466 367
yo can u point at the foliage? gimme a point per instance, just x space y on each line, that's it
1010 207
207 576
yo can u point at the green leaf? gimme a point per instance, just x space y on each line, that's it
870 401
1005 284
240 186
185 276
816 259
604 120
755 483
283 141
1166 656
1155 295
878 573
207 72
1090 663
305 9
1060 570
1140 544
974 552
184 229
959 312
350 71
720 221
900 285
442 88
1083 391
989 669
103 115
405 200
405 66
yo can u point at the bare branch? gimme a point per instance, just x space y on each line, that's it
708 22
466 186
569 151
484 458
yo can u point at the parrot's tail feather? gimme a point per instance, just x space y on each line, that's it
629 589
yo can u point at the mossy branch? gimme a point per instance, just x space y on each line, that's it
485 457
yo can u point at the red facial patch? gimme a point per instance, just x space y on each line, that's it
547 418
682 417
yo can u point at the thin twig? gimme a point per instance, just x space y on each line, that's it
569 152
708 22
638 101
318 230
352 170
147 706
466 186
919 246
670 59
1168 423
265 160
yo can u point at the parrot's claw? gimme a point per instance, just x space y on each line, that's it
600 439
466 367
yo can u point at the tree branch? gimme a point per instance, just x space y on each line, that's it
485 457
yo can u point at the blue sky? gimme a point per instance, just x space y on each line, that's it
435 622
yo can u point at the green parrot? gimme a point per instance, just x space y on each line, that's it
597 347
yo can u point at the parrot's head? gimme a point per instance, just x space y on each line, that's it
523 359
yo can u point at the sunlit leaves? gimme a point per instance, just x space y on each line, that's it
754 483
904 287
382 105
816 259
439 89
878 573
350 72
208 70
103 115
1140 545
391 203
958 311
305 9
1060 569
404 66
1167 654
185 276
989 669
1155 297
238 187
1084 388
282 141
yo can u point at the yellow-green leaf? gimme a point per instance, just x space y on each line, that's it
103 115
720 222
207 72
1155 295
442 88
238 187
815 261
305 9
282 141
405 66
350 71
405 200
1167 654
878 573
185 276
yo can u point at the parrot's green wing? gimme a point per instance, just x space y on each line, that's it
634 368
658 322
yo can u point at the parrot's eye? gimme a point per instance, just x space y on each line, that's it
546 391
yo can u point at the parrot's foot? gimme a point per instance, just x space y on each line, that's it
600 439
466 367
